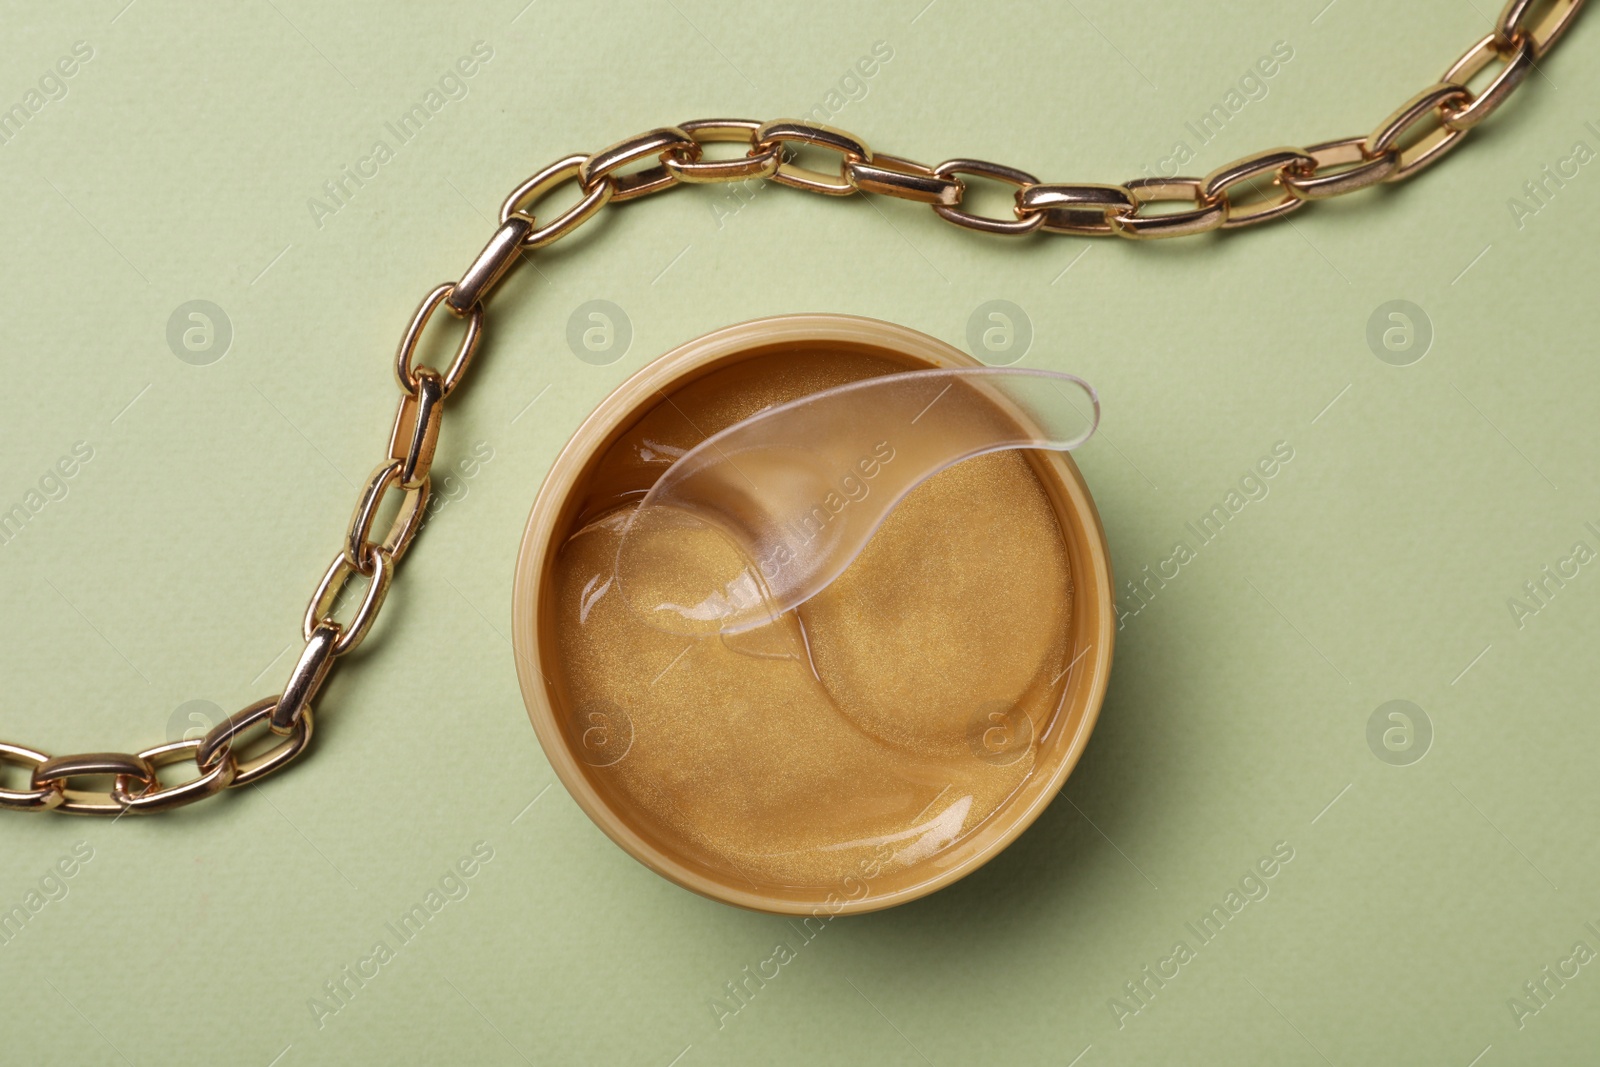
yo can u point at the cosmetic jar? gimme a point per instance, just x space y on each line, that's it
885 738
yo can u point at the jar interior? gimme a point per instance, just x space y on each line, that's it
864 742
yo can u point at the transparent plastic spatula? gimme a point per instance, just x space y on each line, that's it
760 517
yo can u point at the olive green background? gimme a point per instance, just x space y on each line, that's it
1419 500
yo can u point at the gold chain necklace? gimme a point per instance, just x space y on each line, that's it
277 730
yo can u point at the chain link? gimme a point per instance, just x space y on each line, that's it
1257 188
777 134
757 162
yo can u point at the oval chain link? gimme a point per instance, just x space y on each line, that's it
757 162
1415 136
775 135
1272 163
1544 32
1517 57
1024 222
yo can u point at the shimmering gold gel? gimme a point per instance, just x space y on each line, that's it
870 730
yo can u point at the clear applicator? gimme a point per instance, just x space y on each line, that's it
759 518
